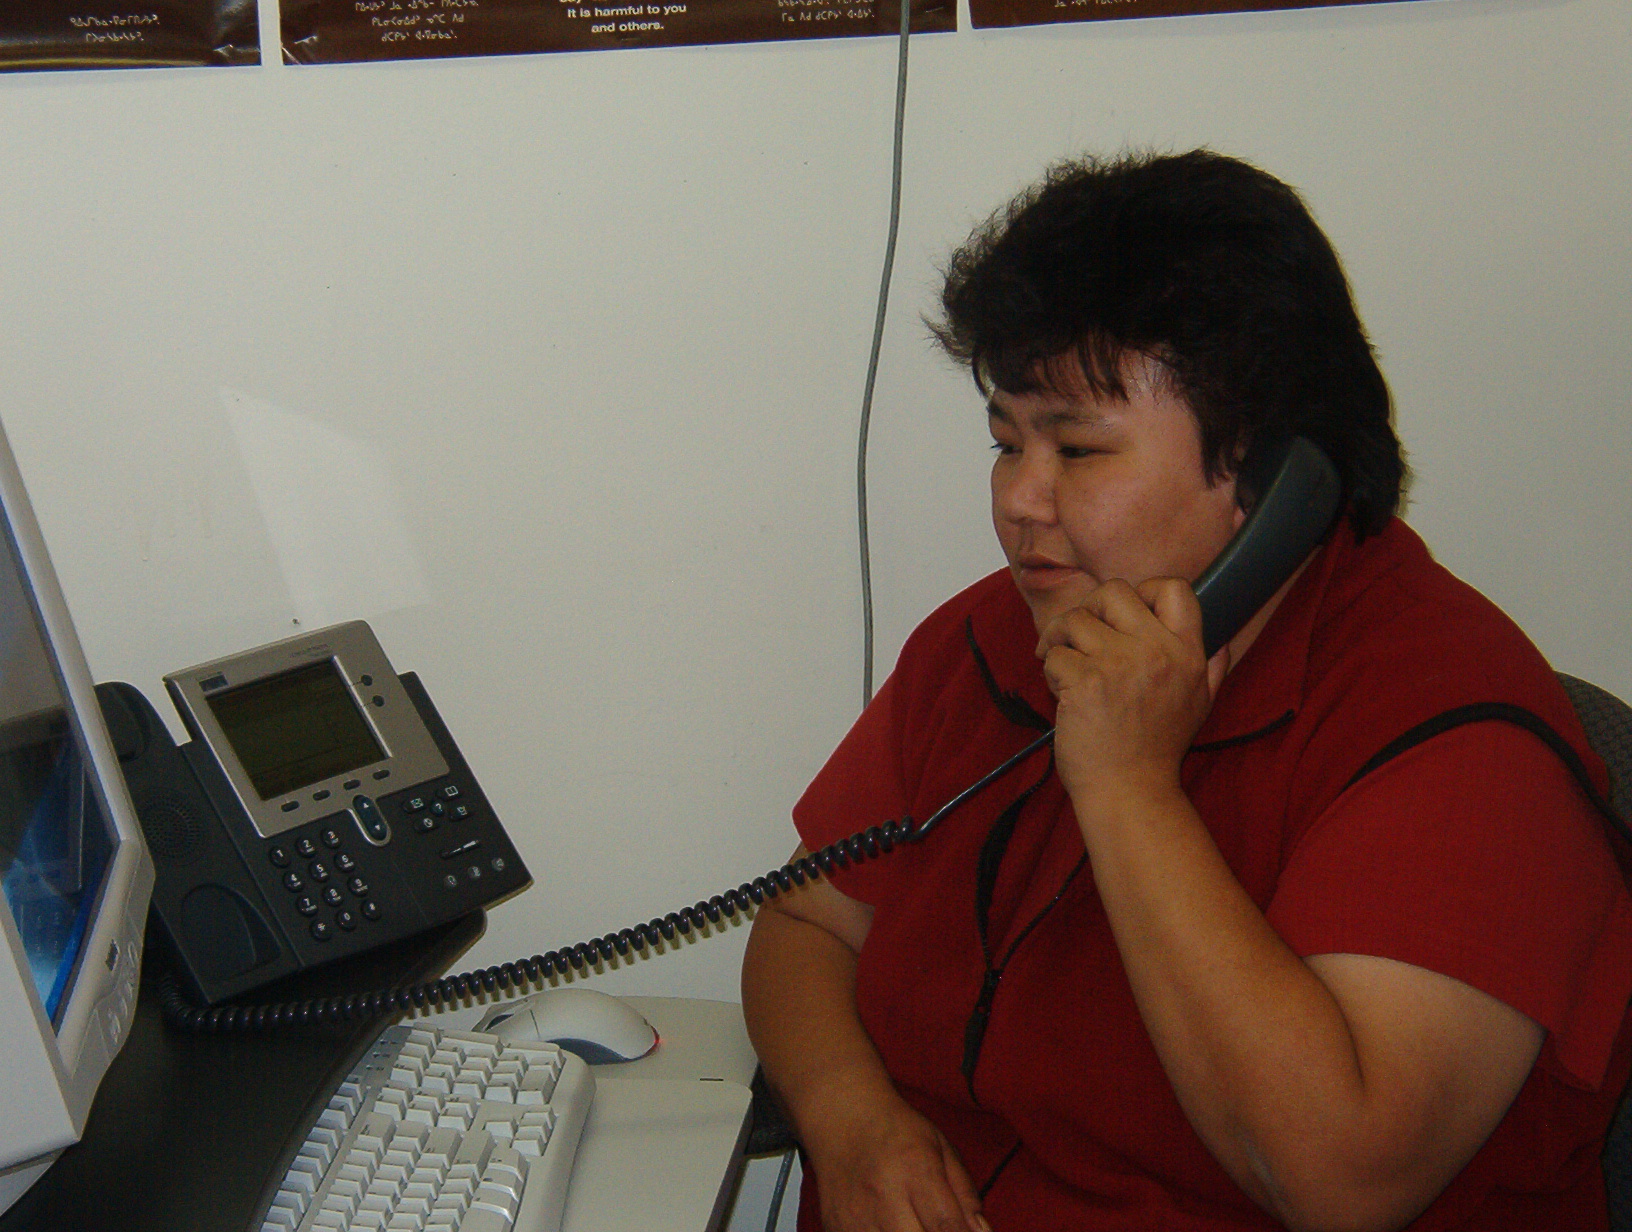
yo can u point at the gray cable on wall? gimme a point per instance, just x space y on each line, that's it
872 363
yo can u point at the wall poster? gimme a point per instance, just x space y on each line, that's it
43 34
331 31
986 14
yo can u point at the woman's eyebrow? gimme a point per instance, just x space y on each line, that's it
1065 417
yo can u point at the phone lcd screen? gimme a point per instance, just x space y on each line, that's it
296 728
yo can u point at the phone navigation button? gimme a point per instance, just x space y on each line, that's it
375 828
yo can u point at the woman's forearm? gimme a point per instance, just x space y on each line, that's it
798 996
879 1163
1257 1050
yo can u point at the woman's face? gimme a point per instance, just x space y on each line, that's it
1086 489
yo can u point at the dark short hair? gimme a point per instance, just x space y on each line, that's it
1203 262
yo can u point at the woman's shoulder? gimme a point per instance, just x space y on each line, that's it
1405 648
1396 615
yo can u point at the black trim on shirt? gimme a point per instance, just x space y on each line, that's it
1504 712
1229 742
998 1171
1011 706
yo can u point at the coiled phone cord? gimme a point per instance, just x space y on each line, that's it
579 959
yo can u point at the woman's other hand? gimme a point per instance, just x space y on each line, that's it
882 1167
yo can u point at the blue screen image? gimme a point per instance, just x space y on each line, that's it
54 848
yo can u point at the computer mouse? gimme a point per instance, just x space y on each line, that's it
599 1028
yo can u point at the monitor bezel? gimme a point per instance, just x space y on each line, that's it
99 1003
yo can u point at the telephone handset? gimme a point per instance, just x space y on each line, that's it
1298 493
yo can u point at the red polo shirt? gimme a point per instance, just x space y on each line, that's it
1474 854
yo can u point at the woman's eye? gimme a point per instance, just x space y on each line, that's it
1004 450
1077 451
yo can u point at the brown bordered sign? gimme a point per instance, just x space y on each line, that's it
987 14
332 31
42 34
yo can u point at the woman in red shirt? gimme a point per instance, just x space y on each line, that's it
1202 965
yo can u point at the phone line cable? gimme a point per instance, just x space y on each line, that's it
576 960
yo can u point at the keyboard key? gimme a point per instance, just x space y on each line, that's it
538 1084
476 1150
342 1201
440 1148
300 1186
486 1219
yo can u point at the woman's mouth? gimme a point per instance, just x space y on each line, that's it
1037 572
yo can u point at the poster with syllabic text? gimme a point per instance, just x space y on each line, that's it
333 31
78 34
987 14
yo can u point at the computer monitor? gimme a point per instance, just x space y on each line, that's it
74 872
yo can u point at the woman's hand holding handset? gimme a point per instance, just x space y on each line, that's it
1133 687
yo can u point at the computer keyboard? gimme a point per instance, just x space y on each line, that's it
441 1131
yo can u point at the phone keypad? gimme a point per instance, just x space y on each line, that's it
309 864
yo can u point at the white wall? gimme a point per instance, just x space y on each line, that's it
549 367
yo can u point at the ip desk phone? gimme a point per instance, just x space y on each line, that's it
319 810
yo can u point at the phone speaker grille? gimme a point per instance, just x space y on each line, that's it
175 832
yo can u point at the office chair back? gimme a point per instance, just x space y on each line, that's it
1608 723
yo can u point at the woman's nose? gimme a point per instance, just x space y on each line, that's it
1024 488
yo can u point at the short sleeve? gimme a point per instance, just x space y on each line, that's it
860 786
1476 855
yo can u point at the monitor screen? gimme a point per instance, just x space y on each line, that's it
297 727
54 842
